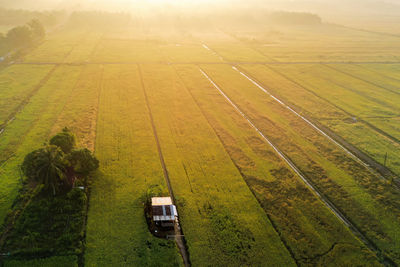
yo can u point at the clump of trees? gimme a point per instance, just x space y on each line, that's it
56 166
24 35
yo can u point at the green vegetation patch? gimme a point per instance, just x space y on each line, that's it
60 261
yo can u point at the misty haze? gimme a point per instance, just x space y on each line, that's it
199 133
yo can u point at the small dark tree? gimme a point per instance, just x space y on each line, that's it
46 166
83 161
64 140
37 29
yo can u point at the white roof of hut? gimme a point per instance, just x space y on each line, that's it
163 210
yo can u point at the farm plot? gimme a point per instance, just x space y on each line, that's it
30 129
362 72
17 83
79 113
371 142
312 53
85 49
52 50
109 50
370 203
311 232
188 53
117 233
222 221
238 52
391 71
305 101
389 125
352 95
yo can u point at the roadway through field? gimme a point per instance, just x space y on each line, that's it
309 184
179 237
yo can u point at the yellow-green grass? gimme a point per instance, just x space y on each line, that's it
363 73
370 203
126 51
238 52
188 53
341 90
117 233
305 224
313 53
374 144
16 84
221 219
377 94
293 94
52 50
80 109
388 125
357 133
30 130
391 71
83 52
60 261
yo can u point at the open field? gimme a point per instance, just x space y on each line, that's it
203 176
239 202
312 102
283 196
17 84
129 165
334 173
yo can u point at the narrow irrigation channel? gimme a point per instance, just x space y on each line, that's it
321 196
179 236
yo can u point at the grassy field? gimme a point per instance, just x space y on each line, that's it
30 129
311 234
322 109
239 203
352 188
16 85
221 219
117 232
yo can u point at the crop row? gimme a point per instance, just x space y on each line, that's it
371 204
311 232
222 221
316 105
117 232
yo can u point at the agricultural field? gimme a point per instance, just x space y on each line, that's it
264 138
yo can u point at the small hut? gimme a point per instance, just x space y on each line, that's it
163 211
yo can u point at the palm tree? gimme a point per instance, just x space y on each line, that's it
50 167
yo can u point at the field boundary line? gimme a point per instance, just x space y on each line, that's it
179 237
240 172
313 188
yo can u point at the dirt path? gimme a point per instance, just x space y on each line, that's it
308 183
179 237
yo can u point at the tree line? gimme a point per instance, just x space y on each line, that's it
23 35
